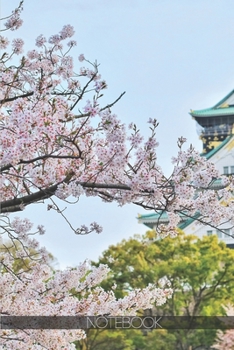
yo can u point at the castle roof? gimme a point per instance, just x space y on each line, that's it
224 107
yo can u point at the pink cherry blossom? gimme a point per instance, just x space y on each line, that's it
17 46
225 340
54 144
39 290
81 58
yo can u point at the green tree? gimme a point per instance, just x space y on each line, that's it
201 272
23 256
126 340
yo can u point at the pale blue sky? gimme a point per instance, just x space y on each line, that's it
170 56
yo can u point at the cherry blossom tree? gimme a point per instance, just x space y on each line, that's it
36 289
44 81
225 340
58 140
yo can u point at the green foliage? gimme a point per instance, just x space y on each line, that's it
106 339
201 272
127 340
23 263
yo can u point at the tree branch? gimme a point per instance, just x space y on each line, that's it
10 99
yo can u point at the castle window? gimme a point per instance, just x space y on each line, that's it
226 232
219 233
225 170
228 170
209 233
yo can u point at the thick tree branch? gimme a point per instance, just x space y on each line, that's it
17 204
10 99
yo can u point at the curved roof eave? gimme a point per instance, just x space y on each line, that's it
216 110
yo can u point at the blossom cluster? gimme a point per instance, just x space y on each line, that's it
225 340
14 21
54 142
34 288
